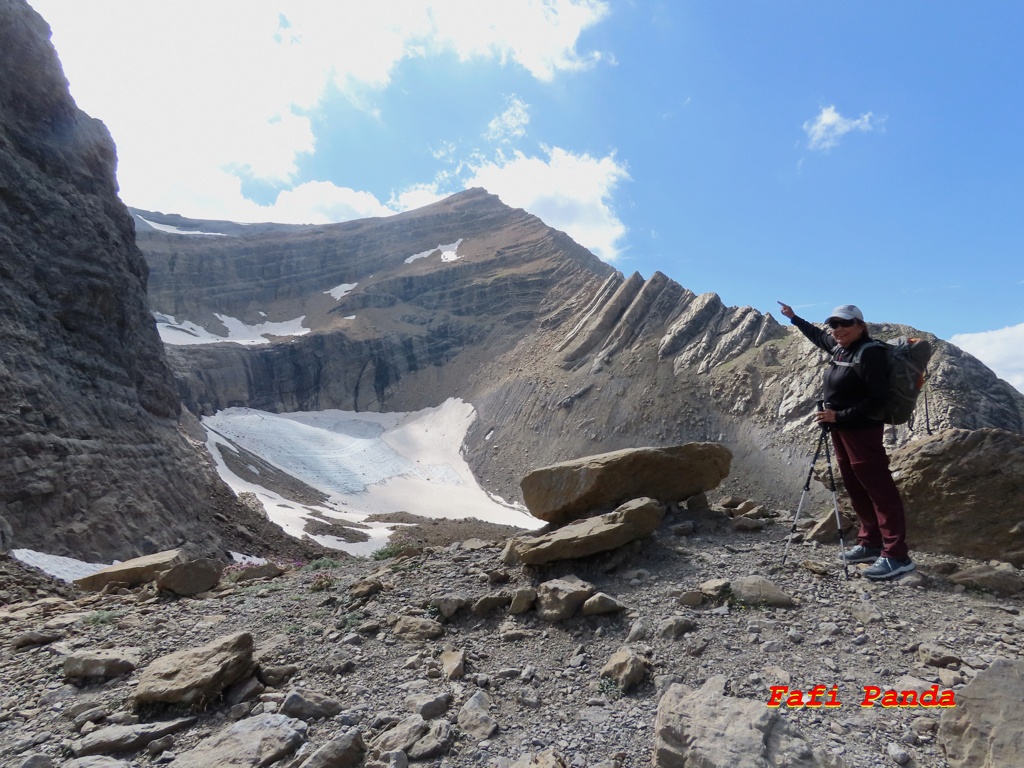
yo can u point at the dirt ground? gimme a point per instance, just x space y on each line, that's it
428 532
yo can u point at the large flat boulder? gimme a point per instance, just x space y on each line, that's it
196 676
126 738
712 729
962 490
985 727
595 484
138 570
191 578
633 520
263 740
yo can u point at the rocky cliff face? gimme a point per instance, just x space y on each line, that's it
405 304
561 355
92 461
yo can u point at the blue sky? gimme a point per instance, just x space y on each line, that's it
809 152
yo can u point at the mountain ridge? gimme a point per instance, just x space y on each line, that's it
560 354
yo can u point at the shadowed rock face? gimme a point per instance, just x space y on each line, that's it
91 459
963 489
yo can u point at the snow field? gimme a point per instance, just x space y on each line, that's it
365 463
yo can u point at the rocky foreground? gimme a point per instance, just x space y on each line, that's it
667 649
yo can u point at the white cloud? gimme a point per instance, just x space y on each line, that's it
321 202
199 95
216 194
571 192
539 35
445 152
416 196
510 124
825 131
999 350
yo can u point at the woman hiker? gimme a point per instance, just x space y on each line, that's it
850 400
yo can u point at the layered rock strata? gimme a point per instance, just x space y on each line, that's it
560 355
92 462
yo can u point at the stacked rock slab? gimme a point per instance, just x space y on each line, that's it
132 573
573 489
633 520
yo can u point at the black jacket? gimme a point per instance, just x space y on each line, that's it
851 395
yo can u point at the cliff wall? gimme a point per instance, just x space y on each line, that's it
92 461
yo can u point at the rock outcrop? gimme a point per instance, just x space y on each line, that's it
92 461
983 728
708 727
962 490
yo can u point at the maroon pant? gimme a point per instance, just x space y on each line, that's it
864 466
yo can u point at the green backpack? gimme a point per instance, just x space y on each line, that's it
908 359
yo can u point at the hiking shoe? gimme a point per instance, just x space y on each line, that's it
888 568
862 554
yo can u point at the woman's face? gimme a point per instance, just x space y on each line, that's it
845 335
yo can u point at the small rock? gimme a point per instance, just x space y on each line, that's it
428 705
474 718
275 677
601 603
936 656
757 590
522 600
304 704
366 588
626 668
100 664
559 599
344 751
691 599
453 664
676 627
415 629
898 753
640 630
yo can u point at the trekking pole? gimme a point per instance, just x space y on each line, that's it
835 506
803 496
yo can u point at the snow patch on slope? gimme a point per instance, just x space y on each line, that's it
365 463
448 252
186 332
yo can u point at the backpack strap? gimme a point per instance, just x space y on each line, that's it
855 361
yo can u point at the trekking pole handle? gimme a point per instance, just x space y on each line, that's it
822 405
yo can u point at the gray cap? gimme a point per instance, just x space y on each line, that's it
846 312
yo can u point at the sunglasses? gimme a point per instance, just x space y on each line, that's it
833 324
